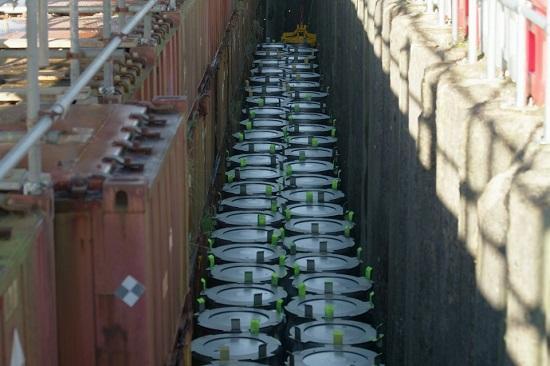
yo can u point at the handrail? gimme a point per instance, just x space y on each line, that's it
17 152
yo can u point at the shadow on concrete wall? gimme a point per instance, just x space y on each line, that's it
427 295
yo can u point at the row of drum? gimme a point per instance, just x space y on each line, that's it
285 282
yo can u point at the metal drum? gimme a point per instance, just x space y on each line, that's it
264 123
265 90
270 71
299 59
246 234
303 75
269 62
319 226
255 203
234 363
313 210
272 46
339 332
236 347
247 253
332 283
311 117
314 141
324 262
311 129
253 173
297 67
250 188
326 307
308 167
304 50
258 146
259 135
306 95
249 218
265 112
268 101
251 295
238 320
315 243
254 160
265 80
304 85
333 356
315 153
313 195
311 181
247 273
278 53
305 106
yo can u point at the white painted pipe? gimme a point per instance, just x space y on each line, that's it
472 31
546 135
43 50
521 57
454 19
491 40
108 82
75 43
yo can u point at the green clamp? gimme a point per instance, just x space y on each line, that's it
309 197
255 326
334 121
302 155
349 215
252 114
296 269
261 220
201 303
274 239
288 214
359 252
302 290
282 260
296 108
248 124
210 243
279 306
333 132
368 273
240 136
230 177
329 311
274 279
203 284
314 141
272 149
334 184
224 353
282 233
288 170
243 162
347 231
371 298
261 102
338 337
211 260
268 190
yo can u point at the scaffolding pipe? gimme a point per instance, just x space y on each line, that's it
108 83
121 4
472 31
454 19
441 9
491 40
43 50
147 28
75 43
12 158
33 88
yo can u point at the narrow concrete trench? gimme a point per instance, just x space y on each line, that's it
448 183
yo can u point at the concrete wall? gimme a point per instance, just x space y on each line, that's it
450 185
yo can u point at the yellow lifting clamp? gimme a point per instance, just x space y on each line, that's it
300 36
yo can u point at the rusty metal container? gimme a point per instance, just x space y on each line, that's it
28 331
120 233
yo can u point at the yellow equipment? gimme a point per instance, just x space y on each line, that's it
300 36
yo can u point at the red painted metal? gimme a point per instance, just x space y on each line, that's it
536 45
27 278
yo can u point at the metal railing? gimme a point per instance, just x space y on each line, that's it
501 27
29 143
